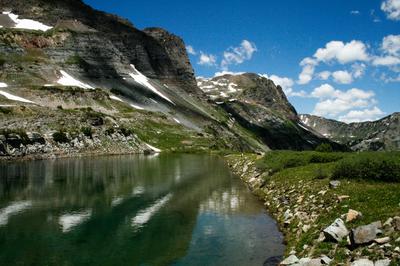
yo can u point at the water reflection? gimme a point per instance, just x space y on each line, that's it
131 210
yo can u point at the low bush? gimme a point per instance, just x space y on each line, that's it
377 168
324 147
87 131
60 137
276 161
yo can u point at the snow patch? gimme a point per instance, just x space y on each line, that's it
68 80
70 220
303 127
3 85
177 121
28 24
144 216
113 97
144 81
14 97
153 148
136 107
13 209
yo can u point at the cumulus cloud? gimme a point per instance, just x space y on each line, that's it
308 64
355 12
342 77
391 44
334 103
362 115
334 51
221 73
358 69
286 85
191 50
207 59
324 75
237 55
386 61
342 52
392 9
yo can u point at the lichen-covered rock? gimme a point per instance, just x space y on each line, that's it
364 234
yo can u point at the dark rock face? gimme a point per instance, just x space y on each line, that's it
106 43
259 105
376 135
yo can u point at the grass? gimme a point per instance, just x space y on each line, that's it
306 174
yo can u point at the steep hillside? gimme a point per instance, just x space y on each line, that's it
382 134
261 107
62 63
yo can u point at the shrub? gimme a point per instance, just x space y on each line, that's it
126 131
369 168
60 137
87 131
110 131
324 147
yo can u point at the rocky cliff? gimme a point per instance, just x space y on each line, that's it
377 135
259 105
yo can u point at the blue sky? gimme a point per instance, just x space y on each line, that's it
354 76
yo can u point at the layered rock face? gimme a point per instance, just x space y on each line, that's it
262 107
377 135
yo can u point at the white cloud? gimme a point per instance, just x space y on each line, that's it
333 102
307 73
391 44
386 61
207 59
355 12
342 77
334 51
191 50
392 9
237 55
286 85
342 52
221 73
324 75
358 70
362 115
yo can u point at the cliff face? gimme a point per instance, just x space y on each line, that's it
262 107
382 134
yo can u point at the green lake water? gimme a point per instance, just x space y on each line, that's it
131 210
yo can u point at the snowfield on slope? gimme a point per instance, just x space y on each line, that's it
68 80
144 81
28 24
12 96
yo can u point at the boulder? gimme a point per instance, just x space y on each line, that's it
385 262
364 234
292 259
334 184
336 231
352 215
382 240
396 223
362 262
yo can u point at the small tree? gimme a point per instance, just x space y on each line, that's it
324 147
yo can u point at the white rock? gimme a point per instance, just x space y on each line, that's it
337 230
362 262
292 259
382 240
385 262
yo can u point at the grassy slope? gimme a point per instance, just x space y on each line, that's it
301 187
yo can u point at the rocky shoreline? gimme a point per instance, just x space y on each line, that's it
298 211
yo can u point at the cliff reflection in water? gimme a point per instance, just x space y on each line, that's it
129 210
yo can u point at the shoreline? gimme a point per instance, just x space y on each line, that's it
304 208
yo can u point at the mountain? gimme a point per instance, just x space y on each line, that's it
260 106
377 135
77 80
